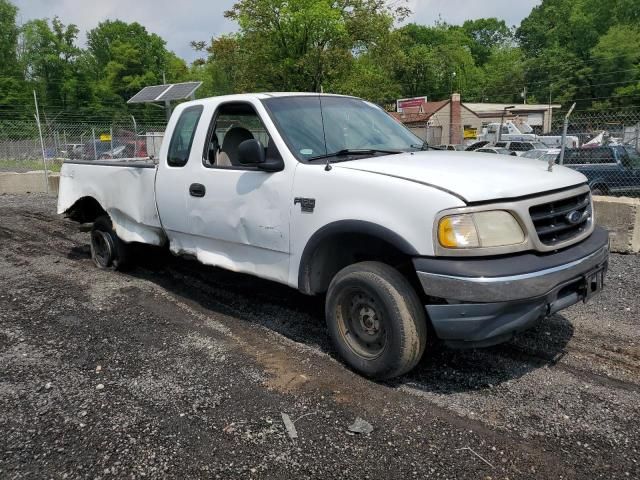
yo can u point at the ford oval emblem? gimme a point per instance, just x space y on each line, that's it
574 217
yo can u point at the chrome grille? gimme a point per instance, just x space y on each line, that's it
562 220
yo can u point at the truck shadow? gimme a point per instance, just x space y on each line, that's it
301 319
448 371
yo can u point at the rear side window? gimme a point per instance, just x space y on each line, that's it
182 138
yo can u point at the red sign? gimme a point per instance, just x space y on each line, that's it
412 103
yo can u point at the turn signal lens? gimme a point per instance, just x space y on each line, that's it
458 231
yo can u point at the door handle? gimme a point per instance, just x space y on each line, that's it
197 190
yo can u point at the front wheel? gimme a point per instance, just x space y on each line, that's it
376 320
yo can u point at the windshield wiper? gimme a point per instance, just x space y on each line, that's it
354 151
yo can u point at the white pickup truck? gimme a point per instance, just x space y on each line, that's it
330 195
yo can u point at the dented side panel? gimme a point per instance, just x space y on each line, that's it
241 223
125 193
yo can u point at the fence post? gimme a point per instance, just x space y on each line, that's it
135 137
564 138
111 140
95 149
44 156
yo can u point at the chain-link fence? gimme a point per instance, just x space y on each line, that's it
603 145
23 148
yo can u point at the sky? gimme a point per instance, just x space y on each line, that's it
179 22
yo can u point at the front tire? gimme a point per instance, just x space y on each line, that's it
107 250
376 320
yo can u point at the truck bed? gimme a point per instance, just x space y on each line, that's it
124 188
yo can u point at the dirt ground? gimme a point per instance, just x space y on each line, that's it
175 370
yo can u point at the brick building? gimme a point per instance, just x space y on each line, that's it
452 121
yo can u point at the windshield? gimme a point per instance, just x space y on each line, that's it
634 156
323 126
539 145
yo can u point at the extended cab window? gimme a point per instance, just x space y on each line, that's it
182 138
232 124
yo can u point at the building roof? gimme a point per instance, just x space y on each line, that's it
483 108
428 109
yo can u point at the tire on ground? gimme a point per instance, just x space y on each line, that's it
107 249
367 290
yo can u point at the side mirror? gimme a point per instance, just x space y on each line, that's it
251 152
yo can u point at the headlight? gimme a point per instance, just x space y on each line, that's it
482 229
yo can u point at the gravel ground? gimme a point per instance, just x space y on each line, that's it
175 370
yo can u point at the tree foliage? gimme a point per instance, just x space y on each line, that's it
566 50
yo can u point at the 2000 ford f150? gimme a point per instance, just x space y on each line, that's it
330 195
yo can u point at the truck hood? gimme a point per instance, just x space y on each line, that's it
474 177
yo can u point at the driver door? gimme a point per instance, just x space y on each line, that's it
239 218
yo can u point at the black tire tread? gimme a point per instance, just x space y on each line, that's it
413 326
122 257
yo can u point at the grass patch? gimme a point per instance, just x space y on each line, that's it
29 165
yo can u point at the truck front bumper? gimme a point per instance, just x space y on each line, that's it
485 301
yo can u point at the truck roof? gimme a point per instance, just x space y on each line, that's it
262 96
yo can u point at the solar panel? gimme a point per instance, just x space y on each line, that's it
161 93
149 94
179 91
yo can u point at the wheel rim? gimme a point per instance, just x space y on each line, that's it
101 248
361 323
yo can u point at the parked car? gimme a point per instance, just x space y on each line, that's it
495 150
476 145
550 155
116 152
535 153
72 150
609 170
457 148
520 147
330 195
95 149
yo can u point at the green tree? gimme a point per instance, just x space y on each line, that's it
487 35
8 38
298 44
617 67
576 49
437 61
124 58
49 61
13 91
